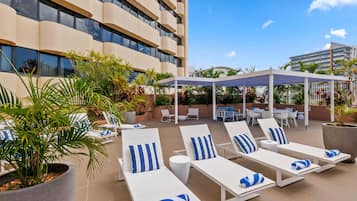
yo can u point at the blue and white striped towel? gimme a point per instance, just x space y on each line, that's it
181 197
137 126
332 153
105 133
301 164
252 180
7 135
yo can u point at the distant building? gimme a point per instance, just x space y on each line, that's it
325 58
224 69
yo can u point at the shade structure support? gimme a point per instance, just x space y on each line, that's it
306 101
271 95
214 101
244 102
332 100
176 102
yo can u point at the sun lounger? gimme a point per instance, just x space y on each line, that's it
115 123
317 155
223 172
279 162
153 185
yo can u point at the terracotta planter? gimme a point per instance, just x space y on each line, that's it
342 138
60 189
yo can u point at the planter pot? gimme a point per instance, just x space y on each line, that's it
60 189
342 138
130 117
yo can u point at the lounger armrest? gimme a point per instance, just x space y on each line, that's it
179 152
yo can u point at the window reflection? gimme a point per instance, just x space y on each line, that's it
26 8
48 13
26 60
48 65
4 63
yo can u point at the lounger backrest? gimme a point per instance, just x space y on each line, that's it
78 117
108 117
193 131
265 124
237 128
139 136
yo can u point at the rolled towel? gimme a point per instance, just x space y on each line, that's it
252 180
137 126
332 153
181 197
299 165
105 133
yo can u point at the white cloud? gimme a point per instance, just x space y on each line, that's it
328 4
267 24
232 53
327 36
341 33
327 46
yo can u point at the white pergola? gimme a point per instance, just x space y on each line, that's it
268 78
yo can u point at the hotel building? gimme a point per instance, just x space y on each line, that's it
148 34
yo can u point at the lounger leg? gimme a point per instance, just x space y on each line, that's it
121 174
284 182
223 194
323 167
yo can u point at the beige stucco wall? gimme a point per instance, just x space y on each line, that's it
171 3
27 32
168 45
83 7
180 8
149 7
180 51
168 20
8 25
181 29
121 20
180 71
167 67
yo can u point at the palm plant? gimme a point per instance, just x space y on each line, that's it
43 131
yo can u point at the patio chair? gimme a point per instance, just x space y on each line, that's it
150 185
82 120
279 162
115 123
193 113
222 171
266 114
306 151
252 117
292 117
166 116
283 118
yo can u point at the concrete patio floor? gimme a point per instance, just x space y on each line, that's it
337 184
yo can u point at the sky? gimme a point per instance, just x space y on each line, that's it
265 33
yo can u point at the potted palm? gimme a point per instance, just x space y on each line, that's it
43 134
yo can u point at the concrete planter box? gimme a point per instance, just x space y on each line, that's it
60 189
130 117
342 138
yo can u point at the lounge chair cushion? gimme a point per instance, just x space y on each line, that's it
7 135
245 143
83 125
332 153
144 157
203 147
181 197
301 164
278 135
252 180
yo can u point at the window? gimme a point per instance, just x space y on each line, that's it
126 42
7 2
82 24
107 35
66 68
48 13
4 63
48 64
133 45
117 38
95 30
27 8
66 19
25 60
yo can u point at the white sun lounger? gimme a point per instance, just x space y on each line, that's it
281 163
223 172
152 185
317 155
116 124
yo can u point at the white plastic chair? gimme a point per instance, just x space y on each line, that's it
292 117
115 123
283 119
252 117
193 113
166 116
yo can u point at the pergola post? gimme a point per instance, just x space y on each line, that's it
214 101
244 101
306 101
176 102
332 100
271 94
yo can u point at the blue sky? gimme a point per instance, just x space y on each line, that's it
265 33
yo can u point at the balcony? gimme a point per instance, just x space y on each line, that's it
59 39
168 20
137 60
167 67
8 25
171 3
83 7
181 71
121 20
181 30
149 7
180 51
180 9
168 45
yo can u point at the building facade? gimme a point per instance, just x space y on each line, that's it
325 58
147 34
